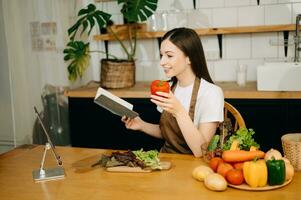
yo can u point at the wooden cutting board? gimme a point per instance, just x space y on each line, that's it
164 164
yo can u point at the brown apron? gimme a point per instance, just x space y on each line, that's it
171 133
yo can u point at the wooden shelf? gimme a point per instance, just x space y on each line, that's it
208 31
231 91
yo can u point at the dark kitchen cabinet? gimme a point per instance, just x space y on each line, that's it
92 126
95 127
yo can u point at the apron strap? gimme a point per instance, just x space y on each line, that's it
194 96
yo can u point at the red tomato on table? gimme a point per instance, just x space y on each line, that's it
159 86
235 176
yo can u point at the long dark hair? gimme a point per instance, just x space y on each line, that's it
188 41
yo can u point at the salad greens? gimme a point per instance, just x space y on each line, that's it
244 137
150 158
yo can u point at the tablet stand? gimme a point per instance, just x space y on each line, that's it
51 173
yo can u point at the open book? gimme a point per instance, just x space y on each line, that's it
114 104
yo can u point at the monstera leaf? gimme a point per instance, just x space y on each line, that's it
77 52
137 10
88 16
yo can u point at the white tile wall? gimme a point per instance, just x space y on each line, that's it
176 19
147 50
288 1
254 2
233 3
95 59
139 71
117 19
278 14
148 70
174 5
211 48
237 46
250 49
111 7
251 16
261 47
210 43
199 18
181 5
116 50
225 70
210 3
296 9
224 17
265 2
211 69
274 60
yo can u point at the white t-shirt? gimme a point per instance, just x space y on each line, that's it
209 105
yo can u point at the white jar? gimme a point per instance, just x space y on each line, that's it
241 75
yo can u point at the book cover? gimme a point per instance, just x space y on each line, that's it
114 104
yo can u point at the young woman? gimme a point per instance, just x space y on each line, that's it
193 108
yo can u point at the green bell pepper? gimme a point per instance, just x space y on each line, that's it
276 172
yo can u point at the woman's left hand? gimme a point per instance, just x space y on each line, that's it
168 102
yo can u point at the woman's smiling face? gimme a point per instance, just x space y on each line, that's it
173 60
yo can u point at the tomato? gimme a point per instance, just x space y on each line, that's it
214 162
235 176
238 165
158 85
223 168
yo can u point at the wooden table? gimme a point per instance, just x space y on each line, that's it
84 182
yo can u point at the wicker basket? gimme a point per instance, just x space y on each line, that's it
117 74
291 144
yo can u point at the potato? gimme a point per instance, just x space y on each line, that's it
286 160
200 172
289 171
215 182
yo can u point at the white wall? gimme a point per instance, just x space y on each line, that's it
6 123
250 49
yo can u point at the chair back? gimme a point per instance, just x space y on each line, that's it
232 114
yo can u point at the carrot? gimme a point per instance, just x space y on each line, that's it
241 155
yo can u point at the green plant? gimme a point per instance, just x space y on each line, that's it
78 52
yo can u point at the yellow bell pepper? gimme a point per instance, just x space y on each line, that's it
255 173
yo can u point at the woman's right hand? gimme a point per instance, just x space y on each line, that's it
134 124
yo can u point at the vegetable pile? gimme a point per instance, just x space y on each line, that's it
238 159
139 158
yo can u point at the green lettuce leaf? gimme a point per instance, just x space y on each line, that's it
150 158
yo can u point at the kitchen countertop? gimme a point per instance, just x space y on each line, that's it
85 182
141 90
